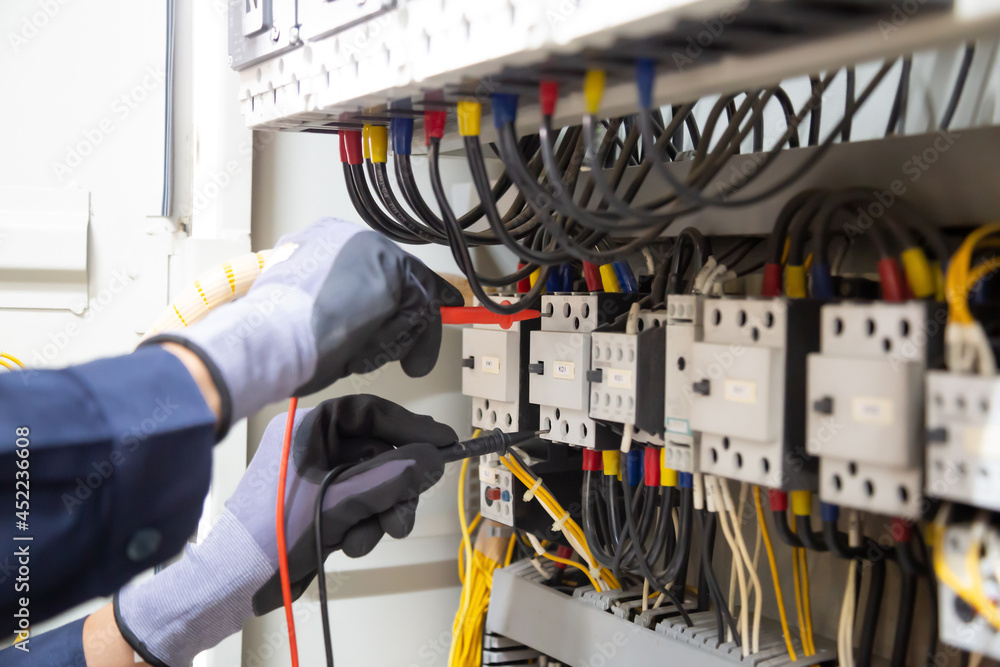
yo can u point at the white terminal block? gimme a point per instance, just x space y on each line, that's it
747 382
558 365
491 366
959 624
684 329
963 438
493 475
865 403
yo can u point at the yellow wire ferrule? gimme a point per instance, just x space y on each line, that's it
609 278
918 272
612 462
378 139
801 503
668 477
366 134
593 90
469 115
795 281
533 278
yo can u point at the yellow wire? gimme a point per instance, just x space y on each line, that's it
975 597
774 574
510 550
799 612
8 366
957 279
572 563
463 609
983 269
806 600
461 548
11 357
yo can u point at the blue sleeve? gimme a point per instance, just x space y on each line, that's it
62 647
118 464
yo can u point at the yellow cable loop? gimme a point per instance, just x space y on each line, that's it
957 278
11 357
774 574
976 598
7 365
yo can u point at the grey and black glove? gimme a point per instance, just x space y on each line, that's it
233 573
333 300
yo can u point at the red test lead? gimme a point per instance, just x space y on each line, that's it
480 315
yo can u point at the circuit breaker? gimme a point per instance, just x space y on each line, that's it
495 378
496 483
963 438
748 390
560 360
627 374
865 409
683 330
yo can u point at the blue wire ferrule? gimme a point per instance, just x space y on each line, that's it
553 284
829 511
686 480
645 73
822 283
633 466
625 277
566 277
401 131
504 109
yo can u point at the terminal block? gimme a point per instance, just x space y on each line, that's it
495 378
960 624
501 494
684 329
560 361
627 374
748 390
963 438
865 403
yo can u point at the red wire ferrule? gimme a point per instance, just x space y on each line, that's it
548 96
892 280
350 147
651 466
593 461
778 500
772 280
434 125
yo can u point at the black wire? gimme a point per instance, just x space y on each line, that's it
708 520
810 540
321 559
897 116
849 86
869 626
815 114
932 630
956 92
907 601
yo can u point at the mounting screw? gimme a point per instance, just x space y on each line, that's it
824 405
275 34
293 35
703 387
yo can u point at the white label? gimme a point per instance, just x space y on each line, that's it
679 426
740 391
563 370
867 410
491 365
619 379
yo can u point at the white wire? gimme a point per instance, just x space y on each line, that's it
745 555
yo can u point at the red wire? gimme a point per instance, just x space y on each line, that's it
286 586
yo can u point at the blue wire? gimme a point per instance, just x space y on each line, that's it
625 277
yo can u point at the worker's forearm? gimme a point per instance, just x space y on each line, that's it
103 644
199 373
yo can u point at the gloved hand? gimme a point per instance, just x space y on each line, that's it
233 573
333 300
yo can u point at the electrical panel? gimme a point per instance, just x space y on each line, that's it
559 362
963 438
865 407
683 330
493 375
748 390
